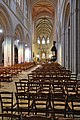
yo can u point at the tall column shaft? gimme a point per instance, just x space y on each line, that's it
66 48
73 36
21 52
78 37
8 51
63 48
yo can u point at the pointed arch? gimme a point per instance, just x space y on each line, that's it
5 19
19 32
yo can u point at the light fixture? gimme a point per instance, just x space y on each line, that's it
17 40
25 45
69 27
37 55
50 56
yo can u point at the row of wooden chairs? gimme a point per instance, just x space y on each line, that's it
7 73
32 117
18 117
67 87
46 92
44 104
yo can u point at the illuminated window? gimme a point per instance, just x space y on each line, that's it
43 40
43 55
38 40
48 40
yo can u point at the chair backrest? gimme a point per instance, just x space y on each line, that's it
21 86
23 102
35 117
41 104
23 80
59 105
9 115
6 101
66 119
75 100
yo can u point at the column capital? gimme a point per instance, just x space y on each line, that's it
10 35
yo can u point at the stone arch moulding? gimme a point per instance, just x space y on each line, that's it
28 39
5 19
49 1
19 42
19 33
6 36
65 12
67 46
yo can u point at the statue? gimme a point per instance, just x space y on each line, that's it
54 52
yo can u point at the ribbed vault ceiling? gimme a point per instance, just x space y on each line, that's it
43 13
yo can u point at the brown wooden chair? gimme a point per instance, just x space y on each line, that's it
36 117
7 104
23 80
74 105
21 86
66 119
70 86
10 116
33 87
59 105
24 102
41 104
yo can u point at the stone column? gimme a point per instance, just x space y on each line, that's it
73 36
63 48
1 53
26 53
8 50
59 51
21 52
66 48
78 37
30 51
13 53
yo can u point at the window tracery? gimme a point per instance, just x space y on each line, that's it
38 40
43 40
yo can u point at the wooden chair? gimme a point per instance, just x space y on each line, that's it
57 86
10 116
7 104
33 87
36 117
21 86
41 104
59 105
70 86
30 76
24 102
23 80
78 87
74 105
66 119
